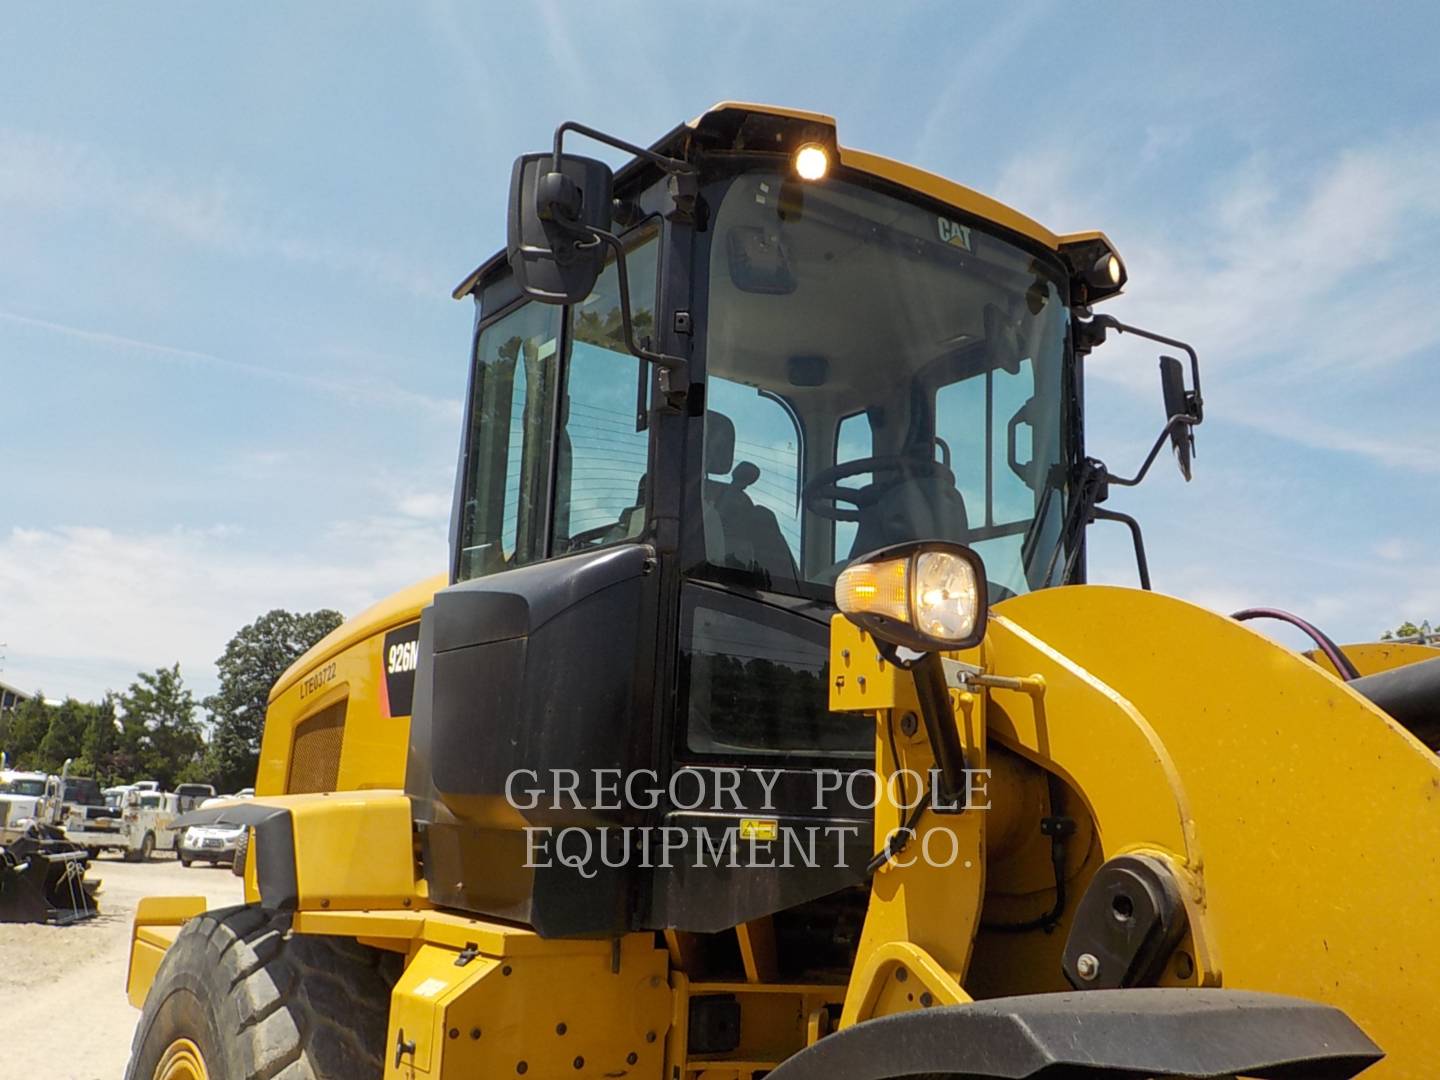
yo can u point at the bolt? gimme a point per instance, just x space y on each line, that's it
926 999
505 970
901 974
325 903
909 724
560 1028
1087 966
406 901
522 1067
845 655
474 1033
1184 966
861 680
579 1063
454 1033
649 1036
631 1058
654 981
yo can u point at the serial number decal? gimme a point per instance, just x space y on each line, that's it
317 680
401 656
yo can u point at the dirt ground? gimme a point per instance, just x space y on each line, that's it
63 987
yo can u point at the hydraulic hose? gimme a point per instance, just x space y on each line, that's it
1329 648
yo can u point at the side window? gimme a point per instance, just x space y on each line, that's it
960 419
854 440
508 443
601 456
752 481
1013 493
978 418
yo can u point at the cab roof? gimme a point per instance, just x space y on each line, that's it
744 125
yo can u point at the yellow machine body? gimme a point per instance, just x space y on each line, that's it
330 725
1302 824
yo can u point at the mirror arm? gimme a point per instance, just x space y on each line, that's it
1172 424
1109 322
932 693
1141 562
669 165
672 376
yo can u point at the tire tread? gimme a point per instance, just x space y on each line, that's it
292 1006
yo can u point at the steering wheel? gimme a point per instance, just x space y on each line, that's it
824 494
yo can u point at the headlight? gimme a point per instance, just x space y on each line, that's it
924 596
812 162
192 838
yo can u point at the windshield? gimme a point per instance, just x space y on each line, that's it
877 373
24 787
82 791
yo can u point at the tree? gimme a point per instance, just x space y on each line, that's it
160 725
64 737
254 659
25 729
100 746
1408 629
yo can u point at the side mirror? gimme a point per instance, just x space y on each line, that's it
554 215
1180 412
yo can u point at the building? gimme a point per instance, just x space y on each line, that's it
10 697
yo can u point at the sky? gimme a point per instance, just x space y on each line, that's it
231 371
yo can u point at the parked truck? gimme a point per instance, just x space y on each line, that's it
135 821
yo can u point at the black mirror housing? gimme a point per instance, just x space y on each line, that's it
553 216
1179 407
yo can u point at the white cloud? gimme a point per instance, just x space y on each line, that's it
1397 549
364 389
1317 271
1303 290
59 177
85 607
426 505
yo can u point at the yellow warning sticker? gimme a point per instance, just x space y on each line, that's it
759 828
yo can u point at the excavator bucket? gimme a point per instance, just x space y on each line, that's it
43 880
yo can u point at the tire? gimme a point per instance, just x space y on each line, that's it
242 847
147 848
255 1002
185 862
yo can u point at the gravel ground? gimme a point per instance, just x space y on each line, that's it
63 987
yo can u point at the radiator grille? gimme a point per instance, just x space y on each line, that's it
315 752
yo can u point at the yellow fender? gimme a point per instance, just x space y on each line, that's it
1308 820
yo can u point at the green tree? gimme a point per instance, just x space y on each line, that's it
65 736
160 724
254 659
101 747
1408 629
26 726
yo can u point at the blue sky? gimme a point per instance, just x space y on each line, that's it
230 369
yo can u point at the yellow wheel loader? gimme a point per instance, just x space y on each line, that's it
763 724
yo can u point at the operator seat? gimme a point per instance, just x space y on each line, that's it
752 539
924 505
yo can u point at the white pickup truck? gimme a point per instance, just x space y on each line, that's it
135 821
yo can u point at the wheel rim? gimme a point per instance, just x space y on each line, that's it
182 1060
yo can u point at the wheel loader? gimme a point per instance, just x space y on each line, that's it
763 724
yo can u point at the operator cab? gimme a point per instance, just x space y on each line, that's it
653 505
